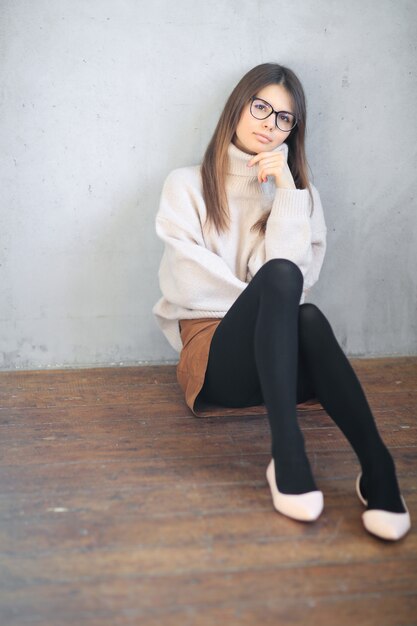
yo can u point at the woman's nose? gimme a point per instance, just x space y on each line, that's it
269 122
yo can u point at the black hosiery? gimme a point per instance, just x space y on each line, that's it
253 358
270 349
339 391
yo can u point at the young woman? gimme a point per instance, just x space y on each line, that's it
245 238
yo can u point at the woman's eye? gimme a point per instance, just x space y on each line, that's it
284 118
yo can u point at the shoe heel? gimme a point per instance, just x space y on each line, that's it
358 489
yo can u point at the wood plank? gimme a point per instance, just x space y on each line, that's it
164 516
218 470
319 590
105 447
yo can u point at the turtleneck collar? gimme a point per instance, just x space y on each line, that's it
238 160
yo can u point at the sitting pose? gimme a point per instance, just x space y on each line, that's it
245 238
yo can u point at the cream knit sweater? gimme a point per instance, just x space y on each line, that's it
202 273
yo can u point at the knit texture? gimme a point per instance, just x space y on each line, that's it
201 272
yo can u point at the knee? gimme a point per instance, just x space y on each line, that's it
281 273
311 319
309 312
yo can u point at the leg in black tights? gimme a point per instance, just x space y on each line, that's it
270 349
342 396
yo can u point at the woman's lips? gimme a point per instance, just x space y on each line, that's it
262 138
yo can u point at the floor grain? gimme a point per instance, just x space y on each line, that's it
118 507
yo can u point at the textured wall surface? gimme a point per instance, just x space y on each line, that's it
100 99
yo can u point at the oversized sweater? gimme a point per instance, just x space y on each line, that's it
202 273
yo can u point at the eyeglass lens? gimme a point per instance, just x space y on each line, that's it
261 110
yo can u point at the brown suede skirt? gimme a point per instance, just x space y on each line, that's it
196 336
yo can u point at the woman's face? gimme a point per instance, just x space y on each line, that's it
246 137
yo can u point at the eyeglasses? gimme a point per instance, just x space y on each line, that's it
260 109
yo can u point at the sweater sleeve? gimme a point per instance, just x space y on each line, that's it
291 233
318 242
190 275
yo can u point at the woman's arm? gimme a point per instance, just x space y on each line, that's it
292 234
318 241
191 276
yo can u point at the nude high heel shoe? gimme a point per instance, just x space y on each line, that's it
305 507
384 524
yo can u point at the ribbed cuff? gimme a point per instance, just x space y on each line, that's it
291 203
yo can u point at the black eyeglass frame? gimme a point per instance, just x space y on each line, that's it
273 111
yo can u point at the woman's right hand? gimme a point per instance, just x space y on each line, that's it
273 164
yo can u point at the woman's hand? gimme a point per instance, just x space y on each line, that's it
273 164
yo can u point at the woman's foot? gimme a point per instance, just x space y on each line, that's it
379 485
385 524
387 515
305 507
293 473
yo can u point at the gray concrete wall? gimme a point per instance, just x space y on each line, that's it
83 162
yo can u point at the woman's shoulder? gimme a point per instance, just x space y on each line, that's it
317 216
315 192
313 187
187 175
182 195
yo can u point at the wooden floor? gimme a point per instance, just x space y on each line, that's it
120 507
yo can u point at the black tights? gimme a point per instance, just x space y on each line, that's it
269 348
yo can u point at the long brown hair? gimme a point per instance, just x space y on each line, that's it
215 161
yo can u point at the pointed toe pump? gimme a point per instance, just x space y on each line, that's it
304 507
384 524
